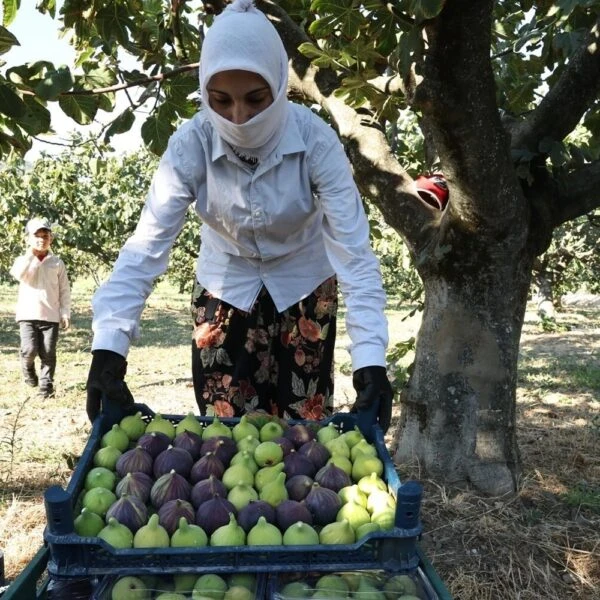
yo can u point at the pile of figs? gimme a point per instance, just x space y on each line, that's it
366 585
157 482
237 586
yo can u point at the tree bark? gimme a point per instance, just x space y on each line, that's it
458 410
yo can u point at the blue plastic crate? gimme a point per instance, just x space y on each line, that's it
74 556
104 588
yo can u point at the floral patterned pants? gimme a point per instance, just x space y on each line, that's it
281 363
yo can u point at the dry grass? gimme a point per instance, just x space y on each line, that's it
541 544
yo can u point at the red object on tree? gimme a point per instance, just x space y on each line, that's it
433 189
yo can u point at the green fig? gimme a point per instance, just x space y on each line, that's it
188 535
343 462
99 500
327 433
248 443
379 500
338 446
151 535
240 495
362 447
244 457
237 474
216 429
352 493
116 535
133 425
100 477
115 437
367 528
268 453
189 423
228 535
243 429
367 590
399 585
386 518
267 474
295 590
248 580
264 534
88 523
352 437
107 457
239 592
371 482
209 586
129 588
332 583
339 532
269 431
355 514
300 534
365 464
275 491
161 425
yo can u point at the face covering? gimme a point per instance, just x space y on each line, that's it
242 38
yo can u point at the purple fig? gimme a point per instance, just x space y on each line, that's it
206 490
214 513
289 512
170 513
130 511
173 459
169 486
137 484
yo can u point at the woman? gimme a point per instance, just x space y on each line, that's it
283 224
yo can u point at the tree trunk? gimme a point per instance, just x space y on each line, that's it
458 410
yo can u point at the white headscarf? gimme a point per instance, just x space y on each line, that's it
242 38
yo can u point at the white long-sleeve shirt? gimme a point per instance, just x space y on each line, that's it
44 290
289 224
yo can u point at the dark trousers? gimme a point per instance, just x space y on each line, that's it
38 338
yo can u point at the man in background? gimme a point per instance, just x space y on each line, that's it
43 304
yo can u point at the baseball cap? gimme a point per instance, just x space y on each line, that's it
433 189
36 224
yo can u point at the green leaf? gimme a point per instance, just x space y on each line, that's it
10 8
428 9
82 109
54 83
95 76
114 22
123 123
7 40
36 119
156 132
10 103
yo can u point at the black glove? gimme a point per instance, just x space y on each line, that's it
107 378
373 387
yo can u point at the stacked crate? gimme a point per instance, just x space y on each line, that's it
392 551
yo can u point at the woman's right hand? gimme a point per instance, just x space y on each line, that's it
106 379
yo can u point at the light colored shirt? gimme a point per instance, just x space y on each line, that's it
288 224
44 290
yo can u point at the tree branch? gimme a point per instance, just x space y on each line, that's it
563 106
578 193
456 97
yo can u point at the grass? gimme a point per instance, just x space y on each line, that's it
539 544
